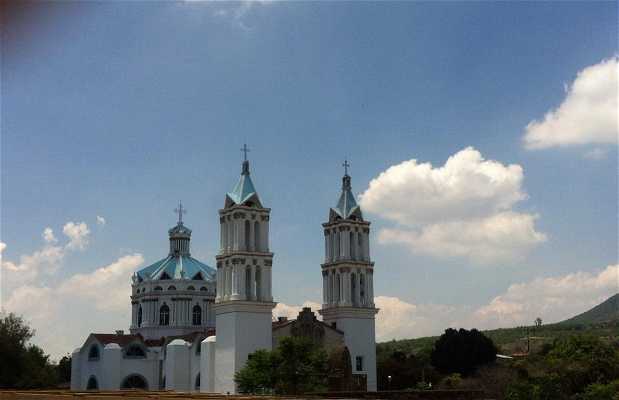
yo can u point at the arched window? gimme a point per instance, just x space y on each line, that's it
197 385
164 315
135 351
197 277
92 383
197 315
134 381
140 316
93 353
258 283
248 292
360 243
351 243
157 288
257 244
203 289
247 232
171 287
191 288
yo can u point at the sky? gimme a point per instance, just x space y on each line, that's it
482 139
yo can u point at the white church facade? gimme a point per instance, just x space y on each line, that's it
193 327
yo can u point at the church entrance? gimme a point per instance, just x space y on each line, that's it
134 381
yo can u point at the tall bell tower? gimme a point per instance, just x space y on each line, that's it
244 301
348 283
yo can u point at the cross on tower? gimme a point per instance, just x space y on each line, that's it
346 165
245 150
180 211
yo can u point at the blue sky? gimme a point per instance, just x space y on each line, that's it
122 109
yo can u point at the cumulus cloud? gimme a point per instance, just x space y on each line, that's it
58 313
292 311
100 220
78 234
587 115
461 209
48 235
552 298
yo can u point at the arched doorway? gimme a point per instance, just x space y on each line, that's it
134 381
92 383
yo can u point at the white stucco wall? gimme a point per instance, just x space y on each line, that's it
360 338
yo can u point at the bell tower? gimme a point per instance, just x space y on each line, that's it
348 283
244 301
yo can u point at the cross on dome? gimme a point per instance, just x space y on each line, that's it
245 150
180 211
346 165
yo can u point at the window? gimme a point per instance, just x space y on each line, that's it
191 288
351 245
135 351
247 232
93 353
353 289
92 384
360 242
337 288
164 315
171 287
158 288
197 385
362 288
164 276
257 245
203 289
334 325
197 277
359 363
197 315
198 348
140 316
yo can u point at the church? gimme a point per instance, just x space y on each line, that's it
193 326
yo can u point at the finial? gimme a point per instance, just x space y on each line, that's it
346 165
180 211
245 150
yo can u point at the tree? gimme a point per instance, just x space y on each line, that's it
538 322
64 369
295 366
23 365
462 351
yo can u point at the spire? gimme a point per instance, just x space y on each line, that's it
244 190
180 211
346 205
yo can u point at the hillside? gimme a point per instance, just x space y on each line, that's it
602 321
607 311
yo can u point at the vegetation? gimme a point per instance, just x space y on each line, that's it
295 366
462 351
24 365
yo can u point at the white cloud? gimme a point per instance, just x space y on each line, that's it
78 234
553 299
237 11
587 115
62 315
48 235
292 311
100 220
461 209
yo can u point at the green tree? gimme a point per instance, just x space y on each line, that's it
462 351
23 365
64 369
295 366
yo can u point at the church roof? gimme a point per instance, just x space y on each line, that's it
244 189
181 266
347 205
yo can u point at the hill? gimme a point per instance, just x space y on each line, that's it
602 321
605 312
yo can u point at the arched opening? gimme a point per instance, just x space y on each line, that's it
246 236
248 292
257 244
171 287
197 315
351 241
191 288
92 383
258 283
198 277
158 288
140 316
93 353
203 289
164 315
360 244
337 246
197 384
337 288
135 351
362 288
134 381
353 289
